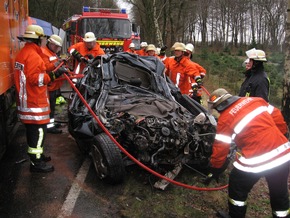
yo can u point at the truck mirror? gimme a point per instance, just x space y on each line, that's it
134 27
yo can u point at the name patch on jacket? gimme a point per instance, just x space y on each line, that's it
240 105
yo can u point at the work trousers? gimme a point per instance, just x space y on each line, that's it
241 183
52 99
35 136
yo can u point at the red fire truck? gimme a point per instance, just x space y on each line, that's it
13 19
112 28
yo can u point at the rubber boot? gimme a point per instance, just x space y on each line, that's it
222 214
40 166
45 158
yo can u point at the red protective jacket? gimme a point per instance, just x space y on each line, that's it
261 145
142 52
131 51
50 58
84 51
181 73
31 82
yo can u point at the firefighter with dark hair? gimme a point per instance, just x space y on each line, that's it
262 151
256 83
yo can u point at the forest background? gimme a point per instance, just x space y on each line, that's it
221 31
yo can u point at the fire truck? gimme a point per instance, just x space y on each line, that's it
13 19
112 28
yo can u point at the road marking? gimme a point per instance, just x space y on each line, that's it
69 204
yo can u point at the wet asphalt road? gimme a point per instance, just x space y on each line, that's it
72 190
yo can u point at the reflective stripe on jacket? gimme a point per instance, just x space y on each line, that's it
181 73
248 123
31 85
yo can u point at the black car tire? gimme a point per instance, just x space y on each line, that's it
107 159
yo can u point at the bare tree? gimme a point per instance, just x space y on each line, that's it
286 83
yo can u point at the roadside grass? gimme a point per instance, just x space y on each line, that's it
225 70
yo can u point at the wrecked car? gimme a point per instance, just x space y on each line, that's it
144 112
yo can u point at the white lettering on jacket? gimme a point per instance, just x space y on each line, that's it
240 105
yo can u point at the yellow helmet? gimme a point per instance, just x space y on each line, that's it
151 47
33 32
172 48
55 39
179 46
89 37
218 96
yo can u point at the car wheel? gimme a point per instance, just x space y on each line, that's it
107 159
84 145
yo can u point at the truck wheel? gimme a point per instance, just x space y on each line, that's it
107 159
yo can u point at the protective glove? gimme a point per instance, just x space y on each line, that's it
60 71
77 55
214 174
52 76
90 56
199 82
194 87
162 50
83 59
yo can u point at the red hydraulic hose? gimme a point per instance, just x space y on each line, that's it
205 90
133 158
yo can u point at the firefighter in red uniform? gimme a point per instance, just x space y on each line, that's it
262 151
51 61
31 82
132 48
142 51
89 48
196 90
151 50
181 70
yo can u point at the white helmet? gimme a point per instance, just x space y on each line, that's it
55 39
33 32
143 44
89 37
158 51
256 54
189 47
132 45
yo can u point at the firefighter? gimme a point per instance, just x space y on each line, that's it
151 50
88 49
256 83
31 82
196 90
132 48
181 70
142 51
52 61
262 151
